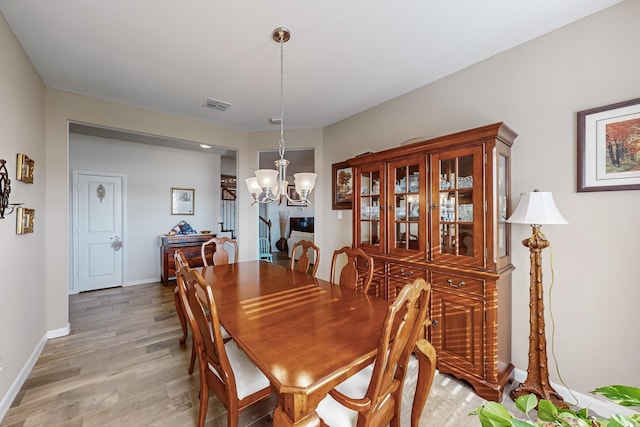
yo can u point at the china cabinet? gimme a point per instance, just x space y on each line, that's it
437 209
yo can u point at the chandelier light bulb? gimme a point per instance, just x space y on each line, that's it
304 181
267 178
252 185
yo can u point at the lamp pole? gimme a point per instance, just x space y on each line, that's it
537 381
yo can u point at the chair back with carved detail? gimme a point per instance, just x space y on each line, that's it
304 261
219 362
357 273
220 255
377 402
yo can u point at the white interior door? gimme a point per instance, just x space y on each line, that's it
98 234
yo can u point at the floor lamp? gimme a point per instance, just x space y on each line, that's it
537 208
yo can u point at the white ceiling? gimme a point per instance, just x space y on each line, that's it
343 57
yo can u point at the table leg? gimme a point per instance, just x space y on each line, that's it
294 411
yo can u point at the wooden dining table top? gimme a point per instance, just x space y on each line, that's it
306 334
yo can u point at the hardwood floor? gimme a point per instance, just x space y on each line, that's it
122 366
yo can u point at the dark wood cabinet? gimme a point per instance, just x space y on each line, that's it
437 209
190 245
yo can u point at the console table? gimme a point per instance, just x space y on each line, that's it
189 244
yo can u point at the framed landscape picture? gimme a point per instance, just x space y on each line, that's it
342 186
609 147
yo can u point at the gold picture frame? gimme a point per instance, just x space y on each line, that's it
25 168
25 220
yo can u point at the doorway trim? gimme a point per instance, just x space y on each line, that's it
75 287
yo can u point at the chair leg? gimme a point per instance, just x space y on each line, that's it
426 354
192 363
204 402
181 317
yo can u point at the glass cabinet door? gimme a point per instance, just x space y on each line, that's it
458 209
503 229
371 211
407 207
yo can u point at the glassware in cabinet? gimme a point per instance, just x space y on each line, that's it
407 207
457 214
371 208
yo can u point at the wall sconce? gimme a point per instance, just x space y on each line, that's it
5 190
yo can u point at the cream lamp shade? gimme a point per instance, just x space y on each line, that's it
536 208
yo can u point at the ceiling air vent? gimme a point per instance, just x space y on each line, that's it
217 104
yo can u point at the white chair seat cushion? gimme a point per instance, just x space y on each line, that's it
336 415
249 379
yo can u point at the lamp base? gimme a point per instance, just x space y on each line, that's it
541 391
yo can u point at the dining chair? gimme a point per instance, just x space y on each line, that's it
220 256
264 249
224 368
357 273
373 396
304 261
180 261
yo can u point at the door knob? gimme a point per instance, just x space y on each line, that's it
116 244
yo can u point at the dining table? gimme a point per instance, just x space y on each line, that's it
305 334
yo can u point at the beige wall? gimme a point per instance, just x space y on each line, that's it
22 305
536 89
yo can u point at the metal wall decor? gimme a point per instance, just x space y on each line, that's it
101 192
25 168
5 187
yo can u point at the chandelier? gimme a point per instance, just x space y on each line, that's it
270 185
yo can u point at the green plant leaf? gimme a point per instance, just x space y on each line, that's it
583 413
618 420
527 402
570 419
520 423
486 422
620 394
495 413
546 411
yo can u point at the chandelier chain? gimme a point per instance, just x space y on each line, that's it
281 143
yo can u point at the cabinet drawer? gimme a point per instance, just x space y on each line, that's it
399 275
406 272
458 283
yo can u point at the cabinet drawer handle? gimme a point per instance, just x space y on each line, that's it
410 273
434 323
453 285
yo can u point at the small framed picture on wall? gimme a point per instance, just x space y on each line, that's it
342 186
182 201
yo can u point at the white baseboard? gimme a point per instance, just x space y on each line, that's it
11 394
604 408
142 282
57 333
